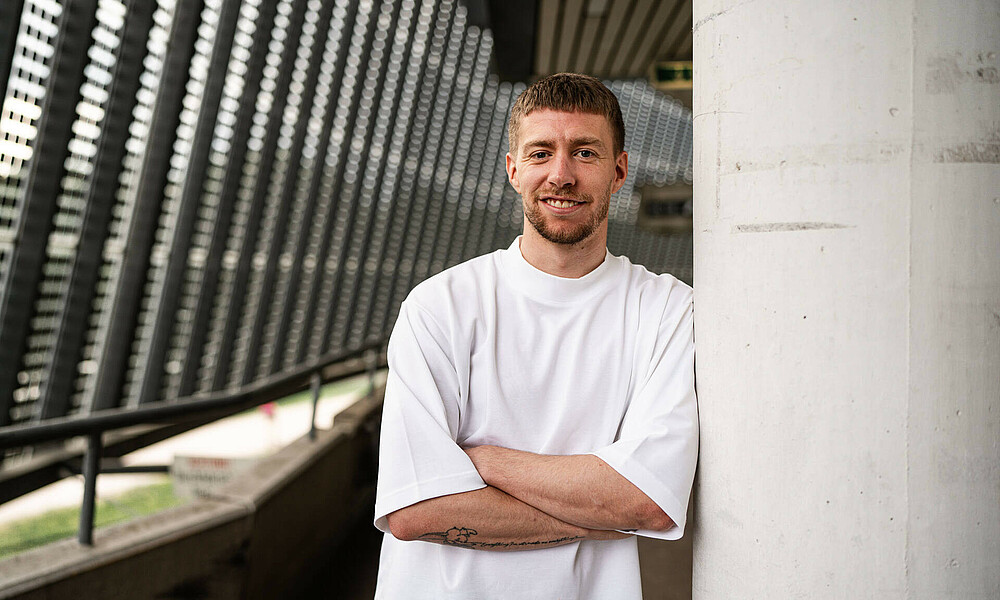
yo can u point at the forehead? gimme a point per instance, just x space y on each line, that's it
558 125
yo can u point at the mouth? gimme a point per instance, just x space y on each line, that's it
560 202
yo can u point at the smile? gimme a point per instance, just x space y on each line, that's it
560 202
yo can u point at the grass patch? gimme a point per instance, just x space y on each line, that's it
63 523
357 385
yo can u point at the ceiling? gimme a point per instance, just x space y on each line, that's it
612 39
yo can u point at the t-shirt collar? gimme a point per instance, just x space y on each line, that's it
551 288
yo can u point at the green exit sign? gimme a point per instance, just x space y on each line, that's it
672 75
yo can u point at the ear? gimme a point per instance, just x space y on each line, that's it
512 173
621 172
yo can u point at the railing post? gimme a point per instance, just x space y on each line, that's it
91 467
315 383
371 358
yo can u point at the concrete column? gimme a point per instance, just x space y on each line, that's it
847 293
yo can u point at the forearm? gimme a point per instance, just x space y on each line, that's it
579 489
485 519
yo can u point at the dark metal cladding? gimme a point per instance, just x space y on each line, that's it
220 187
235 353
131 290
188 166
67 349
19 286
347 177
322 185
293 216
372 172
10 19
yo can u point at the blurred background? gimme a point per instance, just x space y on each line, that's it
210 211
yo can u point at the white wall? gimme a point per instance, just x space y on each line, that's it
847 289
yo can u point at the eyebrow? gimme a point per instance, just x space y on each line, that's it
576 142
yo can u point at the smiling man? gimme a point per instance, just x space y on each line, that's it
540 409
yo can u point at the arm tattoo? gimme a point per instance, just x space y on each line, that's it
461 537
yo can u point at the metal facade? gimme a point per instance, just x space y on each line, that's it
199 194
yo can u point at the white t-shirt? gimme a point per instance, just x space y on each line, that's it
494 351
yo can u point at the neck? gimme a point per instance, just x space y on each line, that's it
564 260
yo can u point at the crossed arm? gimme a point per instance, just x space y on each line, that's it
531 501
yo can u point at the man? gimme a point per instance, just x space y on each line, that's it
540 399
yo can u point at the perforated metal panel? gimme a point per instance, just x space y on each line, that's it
236 187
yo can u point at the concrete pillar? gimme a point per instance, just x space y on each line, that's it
847 293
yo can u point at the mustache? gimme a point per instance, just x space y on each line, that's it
569 195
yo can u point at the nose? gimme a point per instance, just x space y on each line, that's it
561 171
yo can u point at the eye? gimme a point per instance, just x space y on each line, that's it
539 154
587 154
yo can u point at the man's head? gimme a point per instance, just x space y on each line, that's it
568 92
566 159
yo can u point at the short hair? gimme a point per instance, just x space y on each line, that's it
570 92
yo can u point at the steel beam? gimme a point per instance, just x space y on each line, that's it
38 199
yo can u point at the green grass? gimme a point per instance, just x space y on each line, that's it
357 385
63 523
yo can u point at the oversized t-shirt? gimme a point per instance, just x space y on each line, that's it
494 351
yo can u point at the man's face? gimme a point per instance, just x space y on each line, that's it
565 169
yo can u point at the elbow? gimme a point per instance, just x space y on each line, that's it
403 526
653 518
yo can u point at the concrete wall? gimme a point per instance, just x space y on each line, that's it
847 284
259 538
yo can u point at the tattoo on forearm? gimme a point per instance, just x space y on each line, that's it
461 537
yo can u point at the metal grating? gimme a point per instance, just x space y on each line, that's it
26 88
233 188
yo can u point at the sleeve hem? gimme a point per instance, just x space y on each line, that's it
424 490
650 485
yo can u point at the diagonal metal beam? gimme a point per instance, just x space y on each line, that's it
114 359
323 185
38 200
58 385
228 187
253 185
10 20
150 379
279 286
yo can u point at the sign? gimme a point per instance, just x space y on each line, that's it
202 475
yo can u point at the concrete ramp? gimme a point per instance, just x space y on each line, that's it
264 535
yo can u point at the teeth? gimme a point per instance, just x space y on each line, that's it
561 203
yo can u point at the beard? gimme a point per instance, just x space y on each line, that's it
569 233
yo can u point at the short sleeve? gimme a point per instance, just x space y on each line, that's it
657 447
418 456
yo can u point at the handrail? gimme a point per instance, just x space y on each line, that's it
259 392
93 426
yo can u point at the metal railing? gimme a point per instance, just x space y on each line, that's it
95 425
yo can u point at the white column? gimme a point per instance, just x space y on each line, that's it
847 294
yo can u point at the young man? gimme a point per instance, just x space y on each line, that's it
540 399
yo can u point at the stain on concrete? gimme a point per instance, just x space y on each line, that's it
819 155
988 75
794 226
946 73
943 75
972 152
